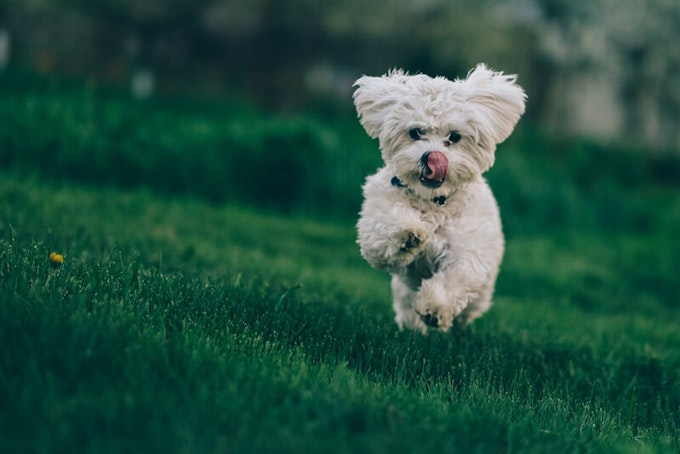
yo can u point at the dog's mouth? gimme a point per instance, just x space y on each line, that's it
434 168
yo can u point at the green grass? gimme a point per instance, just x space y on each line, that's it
174 325
301 164
295 163
208 304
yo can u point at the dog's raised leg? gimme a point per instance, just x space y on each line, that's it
452 290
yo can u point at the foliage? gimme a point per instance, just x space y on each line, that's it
303 164
288 163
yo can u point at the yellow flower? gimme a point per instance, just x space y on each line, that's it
56 259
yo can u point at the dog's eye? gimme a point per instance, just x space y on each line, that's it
454 137
416 133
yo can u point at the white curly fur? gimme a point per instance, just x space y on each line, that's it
443 245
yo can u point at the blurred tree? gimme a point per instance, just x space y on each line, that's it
5 38
644 38
613 67
157 35
606 68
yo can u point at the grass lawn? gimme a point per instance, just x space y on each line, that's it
175 325
212 298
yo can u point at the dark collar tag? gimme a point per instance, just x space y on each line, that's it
396 182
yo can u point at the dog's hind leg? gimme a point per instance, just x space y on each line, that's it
477 306
404 298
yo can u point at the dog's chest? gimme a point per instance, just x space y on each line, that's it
434 219
428 262
440 219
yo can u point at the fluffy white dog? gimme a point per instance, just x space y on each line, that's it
429 217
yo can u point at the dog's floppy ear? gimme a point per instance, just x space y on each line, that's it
376 96
498 100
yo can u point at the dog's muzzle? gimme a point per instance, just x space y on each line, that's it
434 169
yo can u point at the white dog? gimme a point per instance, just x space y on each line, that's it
429 217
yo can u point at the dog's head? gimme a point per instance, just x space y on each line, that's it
434 133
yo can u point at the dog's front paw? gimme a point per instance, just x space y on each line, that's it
437 306
430 319
438 317
391 248
407 245
409 241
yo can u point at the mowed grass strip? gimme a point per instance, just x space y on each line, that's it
173 325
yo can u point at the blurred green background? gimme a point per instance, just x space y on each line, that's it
250 101
199 165
606 69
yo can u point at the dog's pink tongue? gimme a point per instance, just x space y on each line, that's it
437 165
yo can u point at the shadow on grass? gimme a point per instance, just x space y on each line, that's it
640 390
